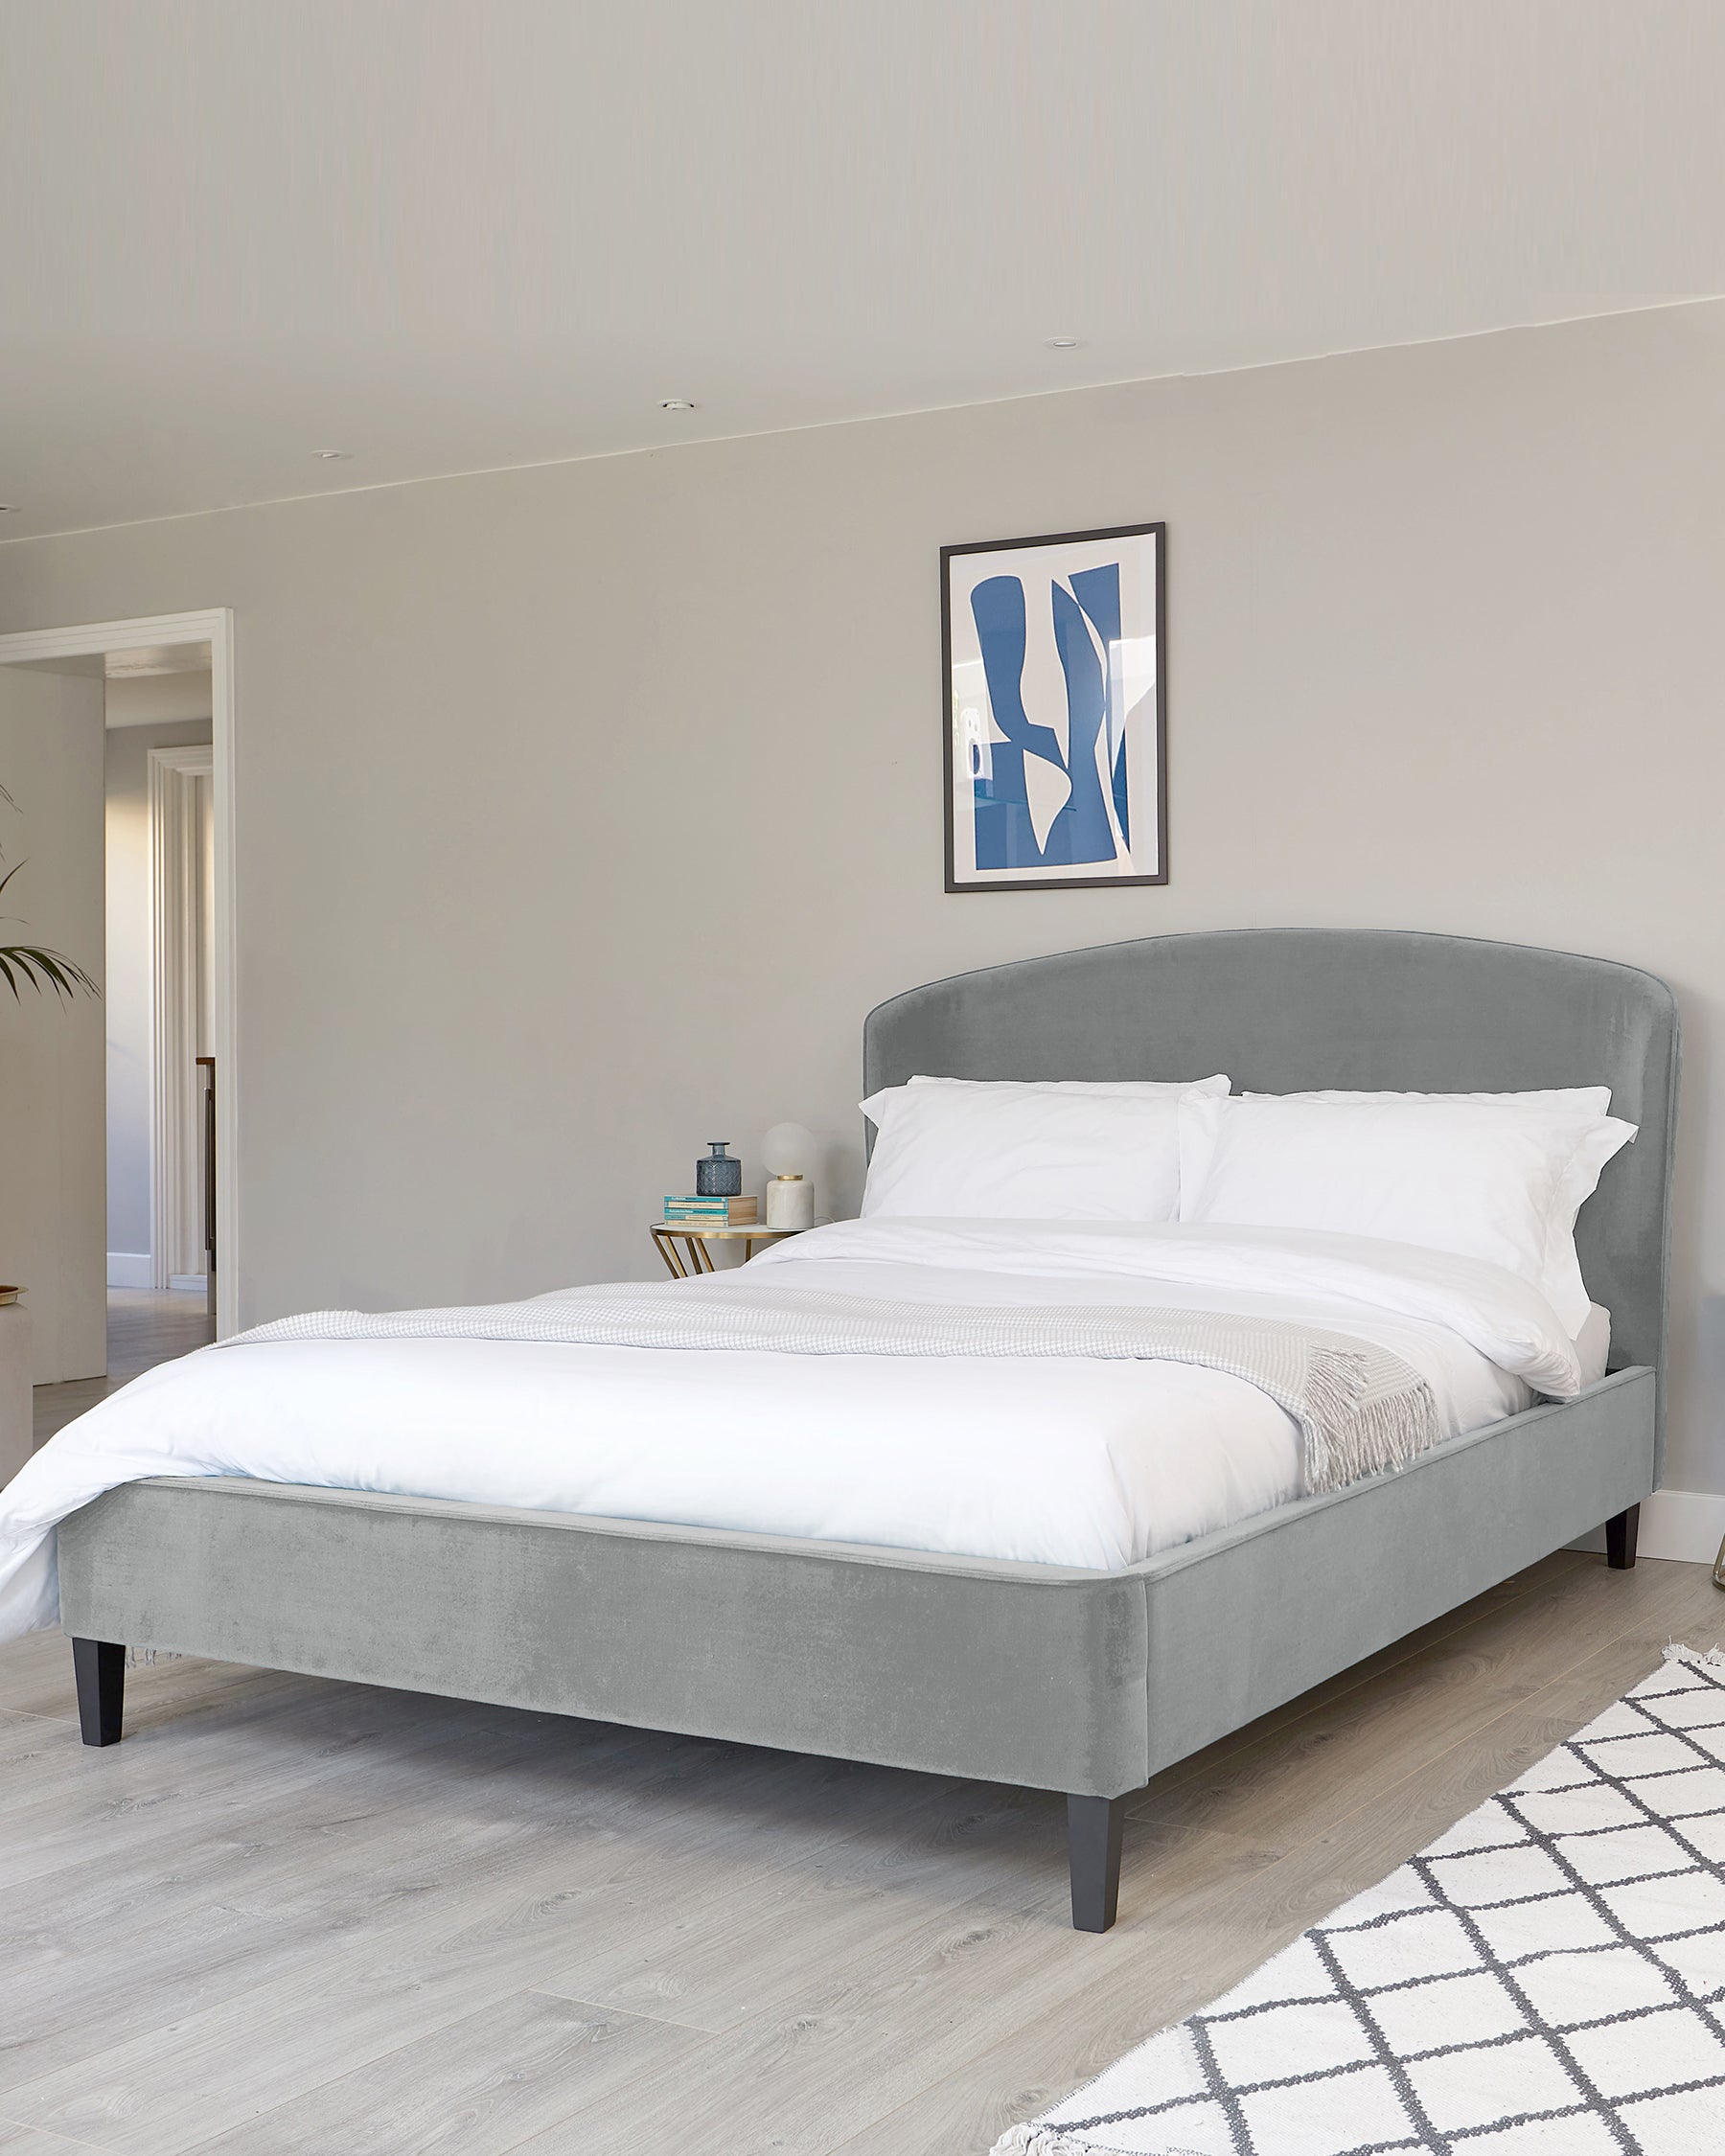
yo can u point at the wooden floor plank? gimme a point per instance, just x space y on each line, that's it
454 1925
366 1994
478 2087
26 2141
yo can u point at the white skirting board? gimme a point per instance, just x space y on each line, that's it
132 1269
1688 1525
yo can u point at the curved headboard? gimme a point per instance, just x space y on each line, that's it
1283 1010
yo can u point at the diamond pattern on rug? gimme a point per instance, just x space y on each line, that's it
1547 1979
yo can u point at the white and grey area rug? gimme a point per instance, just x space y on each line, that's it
1548 1979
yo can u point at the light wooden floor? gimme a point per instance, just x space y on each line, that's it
144 1326
291 1915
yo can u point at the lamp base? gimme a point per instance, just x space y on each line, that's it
790 1203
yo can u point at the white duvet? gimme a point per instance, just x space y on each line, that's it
1059 1461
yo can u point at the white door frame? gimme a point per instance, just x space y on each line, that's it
177 875
33 646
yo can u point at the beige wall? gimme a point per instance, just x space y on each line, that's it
583 810
51 1149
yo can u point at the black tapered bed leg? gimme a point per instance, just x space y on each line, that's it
1620 1538
99 1668
1094 1827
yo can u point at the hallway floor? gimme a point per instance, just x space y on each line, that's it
144 1326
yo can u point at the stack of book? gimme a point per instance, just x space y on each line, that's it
712 1212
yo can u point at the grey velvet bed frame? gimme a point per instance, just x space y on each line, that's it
1082 1682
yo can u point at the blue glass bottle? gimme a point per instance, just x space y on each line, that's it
719 1176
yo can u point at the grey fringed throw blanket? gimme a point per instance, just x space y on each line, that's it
1361 1409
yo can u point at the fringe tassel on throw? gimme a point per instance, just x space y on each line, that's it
1710 1658
1030 2140
1384 1432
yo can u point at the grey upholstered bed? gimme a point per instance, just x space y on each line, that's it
1082 1682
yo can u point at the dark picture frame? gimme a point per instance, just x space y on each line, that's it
1056 638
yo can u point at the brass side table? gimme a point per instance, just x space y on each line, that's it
695 1257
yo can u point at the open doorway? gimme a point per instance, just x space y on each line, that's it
160 973
118 1149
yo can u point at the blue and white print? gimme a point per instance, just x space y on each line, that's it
1054 710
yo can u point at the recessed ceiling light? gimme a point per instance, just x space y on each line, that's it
334 457
677 404
1062 344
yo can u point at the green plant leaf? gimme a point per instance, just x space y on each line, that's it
63 974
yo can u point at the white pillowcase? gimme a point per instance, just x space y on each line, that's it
964 1149
1124 1089
1500 1181
1587 1100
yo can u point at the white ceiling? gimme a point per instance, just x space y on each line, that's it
447 235
147 699
142 660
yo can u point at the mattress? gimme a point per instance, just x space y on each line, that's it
1061 1461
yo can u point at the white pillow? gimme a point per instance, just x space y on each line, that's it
1125 1089
1501 1182
971 1149
1587 1100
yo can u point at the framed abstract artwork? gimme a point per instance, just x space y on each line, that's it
1056 760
